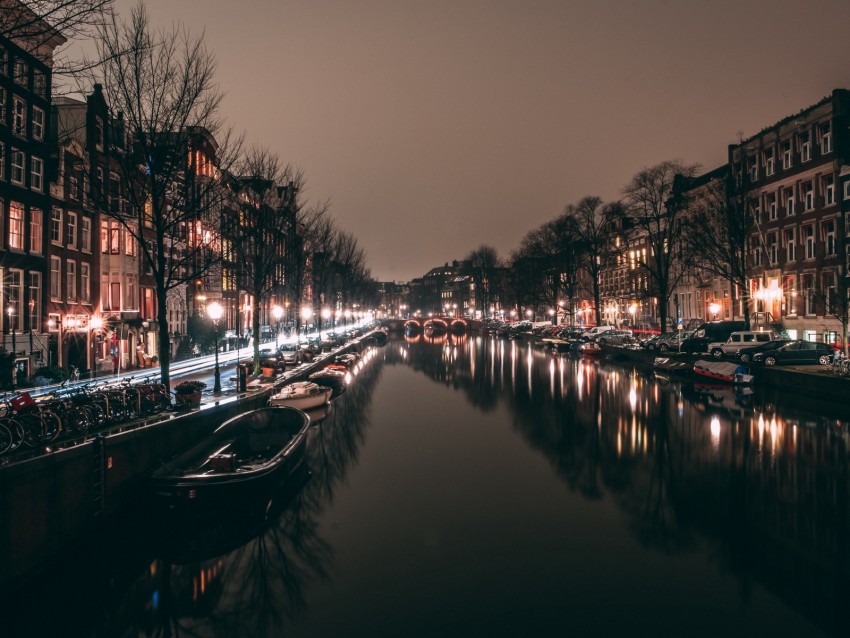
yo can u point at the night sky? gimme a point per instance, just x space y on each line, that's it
436 126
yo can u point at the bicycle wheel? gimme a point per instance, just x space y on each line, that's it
16 430
76 420
33 429
5 439
52 426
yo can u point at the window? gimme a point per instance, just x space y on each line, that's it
3 162
36 231
19 116
788 196
71 280
85 282
97 187
3 97
37 123
772 249
56 226
14 282
17 167
808 196
39 83
55 277
847 189
35 300
74 188
771 206
98 135
790 242
16 226
85 234
114 194
828 230
21 72
753 163
786 155
825 139
828 190
4 61
809 235
72 230
808 285
805 148
36 173
129 244
756 250
768 162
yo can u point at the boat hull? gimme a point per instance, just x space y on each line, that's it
237 465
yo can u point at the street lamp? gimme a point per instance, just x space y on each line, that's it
714 308
277 313
214 310
632 311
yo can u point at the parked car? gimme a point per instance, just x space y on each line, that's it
291 353
737 340
595 331
667 341
711 332
615 337
797 352
745 355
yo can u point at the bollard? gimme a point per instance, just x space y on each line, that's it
242 377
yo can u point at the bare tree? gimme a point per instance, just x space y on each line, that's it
161 88
257 233
593 227
720 224
485 262
656 217
322 245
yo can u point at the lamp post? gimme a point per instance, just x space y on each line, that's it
306 314
11 311
95 325
277 313
214 310
326 316
632 311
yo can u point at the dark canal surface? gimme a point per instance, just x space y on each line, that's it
477 487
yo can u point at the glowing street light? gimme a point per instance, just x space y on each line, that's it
215 311
714 308
277 313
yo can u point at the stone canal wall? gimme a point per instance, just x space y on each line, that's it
49 501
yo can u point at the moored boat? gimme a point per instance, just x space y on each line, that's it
304 395
331 378
672 366
725 371
590 349
245 455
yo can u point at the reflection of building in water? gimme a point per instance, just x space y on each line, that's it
767 484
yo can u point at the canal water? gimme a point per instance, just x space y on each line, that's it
470 486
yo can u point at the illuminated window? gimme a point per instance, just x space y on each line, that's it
36 231
16 226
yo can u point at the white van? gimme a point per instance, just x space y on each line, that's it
594 332
738 340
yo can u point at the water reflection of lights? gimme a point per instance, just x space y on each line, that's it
633 396
715 433
552 377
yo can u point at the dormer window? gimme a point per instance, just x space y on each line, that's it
754 167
